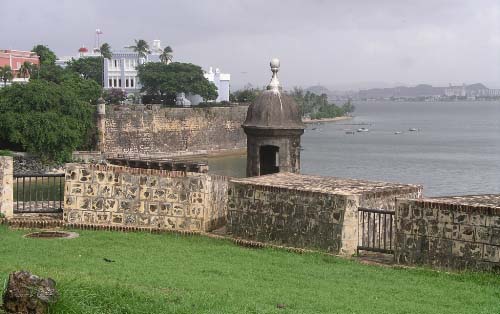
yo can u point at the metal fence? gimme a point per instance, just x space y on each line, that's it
38 193
375 230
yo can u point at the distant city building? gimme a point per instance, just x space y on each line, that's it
15 59
221 81
121 70
83 52
455 91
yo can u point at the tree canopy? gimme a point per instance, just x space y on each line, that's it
46 55
88 67
166 80
48 119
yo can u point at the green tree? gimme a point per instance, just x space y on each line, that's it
26 69
114 96
166 55
6 74
88 68
166 80
46 55
45 118
245 95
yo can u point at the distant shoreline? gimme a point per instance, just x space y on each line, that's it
309 121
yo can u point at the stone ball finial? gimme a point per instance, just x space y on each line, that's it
275 64
274 84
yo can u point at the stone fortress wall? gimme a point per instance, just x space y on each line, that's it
455 232
152 130
134 197
307 211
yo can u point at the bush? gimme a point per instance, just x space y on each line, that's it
5 152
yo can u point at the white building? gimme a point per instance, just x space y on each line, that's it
221 81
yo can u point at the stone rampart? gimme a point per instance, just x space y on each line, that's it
116 195
307 211
155 131
455 232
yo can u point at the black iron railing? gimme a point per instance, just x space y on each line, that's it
375 231
38 193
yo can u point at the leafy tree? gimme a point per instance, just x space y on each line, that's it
166 80
166 56
317 106
88 68
114 96
45 118
48 72
46 55
245 95
6 74
26 69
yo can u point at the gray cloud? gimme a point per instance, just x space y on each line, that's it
328 42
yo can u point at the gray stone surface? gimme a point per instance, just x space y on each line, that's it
459 232
26 293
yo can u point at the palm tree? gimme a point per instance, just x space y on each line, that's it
105 51
25 70
6 74
166 56
141 47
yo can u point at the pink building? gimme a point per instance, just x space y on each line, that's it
15 58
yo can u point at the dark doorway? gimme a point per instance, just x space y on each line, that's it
269 159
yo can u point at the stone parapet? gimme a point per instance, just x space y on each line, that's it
6 186
307 211
136 197
461 232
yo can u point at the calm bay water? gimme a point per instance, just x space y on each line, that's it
456 149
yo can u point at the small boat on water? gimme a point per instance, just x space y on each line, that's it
398 132
412 129
363 130
350 132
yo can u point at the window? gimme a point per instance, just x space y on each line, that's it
132 82
110 83
119 82
126 82
116 63
114 83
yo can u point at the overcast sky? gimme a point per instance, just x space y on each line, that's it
336 43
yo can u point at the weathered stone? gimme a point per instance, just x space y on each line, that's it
140 197
28 294
168 130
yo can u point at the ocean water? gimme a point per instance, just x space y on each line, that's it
455 151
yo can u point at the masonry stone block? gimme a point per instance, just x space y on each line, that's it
129 196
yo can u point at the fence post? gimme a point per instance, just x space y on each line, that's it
6 186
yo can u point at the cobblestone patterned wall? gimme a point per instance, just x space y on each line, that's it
98 194
286 217
457 232
307 211
6 186
169 130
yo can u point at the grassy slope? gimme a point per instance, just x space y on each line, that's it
174 274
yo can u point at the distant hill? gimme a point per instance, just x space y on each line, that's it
318 90
422 90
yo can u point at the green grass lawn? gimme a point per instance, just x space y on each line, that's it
180 274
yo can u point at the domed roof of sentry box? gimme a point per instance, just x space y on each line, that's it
273 109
